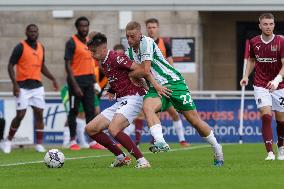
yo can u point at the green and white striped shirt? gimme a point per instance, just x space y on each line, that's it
162 71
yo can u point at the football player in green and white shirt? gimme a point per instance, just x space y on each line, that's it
143 50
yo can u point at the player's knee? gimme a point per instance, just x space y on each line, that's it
113 131
147 109
90 130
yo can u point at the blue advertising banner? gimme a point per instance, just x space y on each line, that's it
1 108
221 114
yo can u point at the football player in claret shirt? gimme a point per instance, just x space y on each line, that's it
129 96
267 59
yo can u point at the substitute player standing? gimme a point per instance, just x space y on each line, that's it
146 52
79 65
117 66
28 56
267 58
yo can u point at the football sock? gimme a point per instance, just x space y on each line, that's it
39 136
267 132
138 130
104 140
127 143
211 139
280 133
80 131
12 132
157 132
179 130
66 136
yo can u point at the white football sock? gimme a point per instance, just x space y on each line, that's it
179 130
211 140
157 132
130 129
66 136
80 131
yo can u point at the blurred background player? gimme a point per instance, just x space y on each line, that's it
79 65
267 59
81 123
119 48
145 51
28 57
129 102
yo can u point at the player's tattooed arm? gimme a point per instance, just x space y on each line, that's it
143 70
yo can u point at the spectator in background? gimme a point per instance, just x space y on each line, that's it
28 57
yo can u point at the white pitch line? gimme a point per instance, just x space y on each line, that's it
99 156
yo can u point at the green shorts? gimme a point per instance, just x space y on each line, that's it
180 98
96 103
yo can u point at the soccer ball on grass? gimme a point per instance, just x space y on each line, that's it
54 159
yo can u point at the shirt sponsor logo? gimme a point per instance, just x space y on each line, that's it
265 60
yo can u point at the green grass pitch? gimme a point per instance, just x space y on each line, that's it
181 168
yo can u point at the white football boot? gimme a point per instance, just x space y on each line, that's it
142 163
280 153
40 148
7 146
270 156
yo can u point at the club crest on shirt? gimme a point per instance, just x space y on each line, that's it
259 101
120 59
273 48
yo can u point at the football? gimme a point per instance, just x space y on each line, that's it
54 158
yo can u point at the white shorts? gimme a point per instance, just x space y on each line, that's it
30 97
128 106
265 98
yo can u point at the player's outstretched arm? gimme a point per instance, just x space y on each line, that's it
249 69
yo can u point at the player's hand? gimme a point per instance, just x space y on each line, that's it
244 81
55 85
97 88
163 91
78 91
16 90
110 96
272 86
